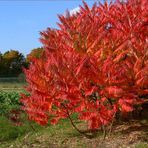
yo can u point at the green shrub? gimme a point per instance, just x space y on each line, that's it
8 101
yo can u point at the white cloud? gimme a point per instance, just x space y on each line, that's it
74 11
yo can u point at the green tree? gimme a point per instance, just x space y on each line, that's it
11 63
1 64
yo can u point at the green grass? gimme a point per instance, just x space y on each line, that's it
25 135
141 145
9 131
59 136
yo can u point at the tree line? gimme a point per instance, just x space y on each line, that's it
12 61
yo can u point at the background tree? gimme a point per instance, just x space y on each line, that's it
35 53
11 63
0 56
1 64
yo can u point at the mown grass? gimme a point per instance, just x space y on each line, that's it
18 136
12 86
141 145
63 135
9 131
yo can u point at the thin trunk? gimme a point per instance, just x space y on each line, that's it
81 132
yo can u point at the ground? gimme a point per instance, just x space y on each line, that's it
132 134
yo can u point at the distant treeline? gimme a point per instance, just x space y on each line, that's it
12 61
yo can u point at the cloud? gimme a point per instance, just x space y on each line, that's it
74 11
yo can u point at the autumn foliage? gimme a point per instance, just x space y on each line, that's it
35 53
95 65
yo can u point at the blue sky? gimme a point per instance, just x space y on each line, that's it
21 21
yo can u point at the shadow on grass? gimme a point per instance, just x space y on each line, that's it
143 128
93 134
136 130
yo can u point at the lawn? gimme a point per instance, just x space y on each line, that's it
12 86
132 134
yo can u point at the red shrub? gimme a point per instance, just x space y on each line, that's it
95 65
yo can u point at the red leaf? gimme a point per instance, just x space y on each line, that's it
114 91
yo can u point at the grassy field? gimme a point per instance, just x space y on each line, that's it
132 134
62 135
12 86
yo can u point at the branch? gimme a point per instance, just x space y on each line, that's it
81 132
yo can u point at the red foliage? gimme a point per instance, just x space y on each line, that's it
95 65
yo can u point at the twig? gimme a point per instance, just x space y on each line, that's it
104 132
81 132
32 127
110 129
